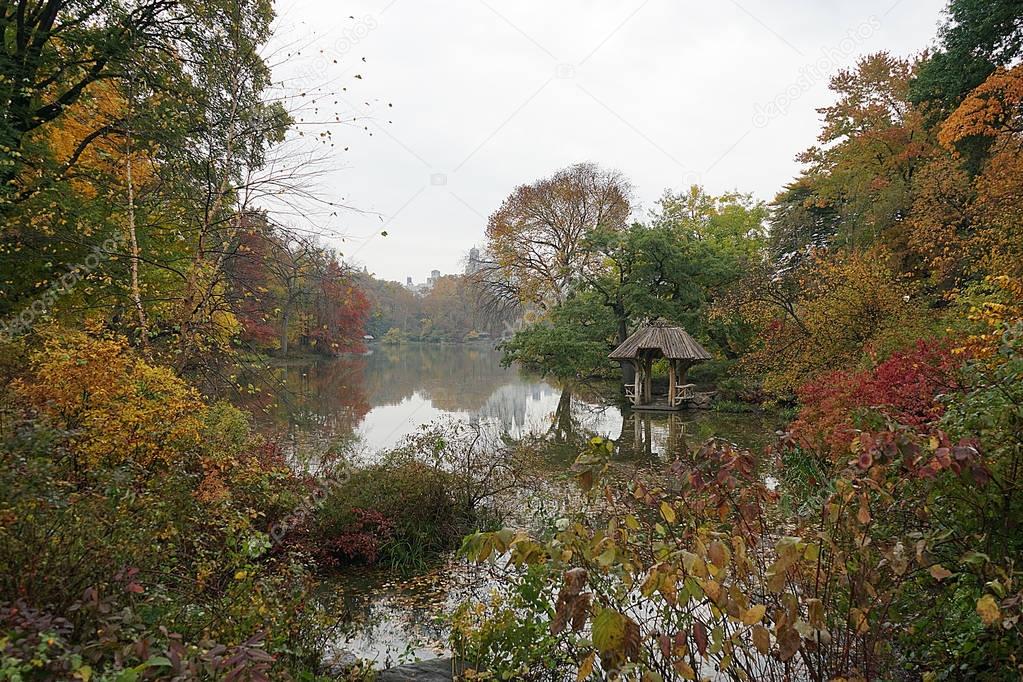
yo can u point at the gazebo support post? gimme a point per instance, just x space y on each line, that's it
637 382
671 383
648 370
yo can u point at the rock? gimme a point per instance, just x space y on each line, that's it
339 664
436 670
703 401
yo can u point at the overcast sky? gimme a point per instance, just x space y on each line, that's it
460 101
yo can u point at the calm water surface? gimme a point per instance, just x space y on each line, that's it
371 402
374 401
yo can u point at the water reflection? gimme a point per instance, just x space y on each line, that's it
392 620
378 399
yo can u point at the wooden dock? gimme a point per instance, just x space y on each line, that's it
659 407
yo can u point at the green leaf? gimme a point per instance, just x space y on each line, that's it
608 630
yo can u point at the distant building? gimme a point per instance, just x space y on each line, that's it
474 264
423 289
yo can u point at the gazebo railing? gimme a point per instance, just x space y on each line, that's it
684 393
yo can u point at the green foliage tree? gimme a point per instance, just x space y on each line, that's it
695 248
53 53
977 37
572 344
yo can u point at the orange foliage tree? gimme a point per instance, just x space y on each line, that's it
872 142
965 218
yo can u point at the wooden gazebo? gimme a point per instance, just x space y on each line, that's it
659 339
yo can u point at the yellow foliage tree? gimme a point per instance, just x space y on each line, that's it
118 408
941 222
89 141
850 305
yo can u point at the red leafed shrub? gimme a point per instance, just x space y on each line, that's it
362 539
825 419
904 388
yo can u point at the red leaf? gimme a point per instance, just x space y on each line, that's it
700 635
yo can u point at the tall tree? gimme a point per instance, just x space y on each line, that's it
54 50
536 236
800 222
339 308
872 143
236 124
696 247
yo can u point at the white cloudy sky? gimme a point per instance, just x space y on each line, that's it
463 100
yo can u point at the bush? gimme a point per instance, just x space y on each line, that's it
904 388
129 511
493 636
400 511
740 390
863 571
417 502
393 337
115 406
734 407
711 373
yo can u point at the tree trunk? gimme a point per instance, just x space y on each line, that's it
562 426
285 318
133 242
628 371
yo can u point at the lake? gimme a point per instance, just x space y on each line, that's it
373 401
369 403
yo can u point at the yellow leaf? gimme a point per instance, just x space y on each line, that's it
668 512
586 667
753 614
685 670
863 515
858 619
987 609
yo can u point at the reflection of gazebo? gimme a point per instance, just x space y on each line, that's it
655 340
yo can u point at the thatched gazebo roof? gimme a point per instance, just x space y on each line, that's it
674 343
